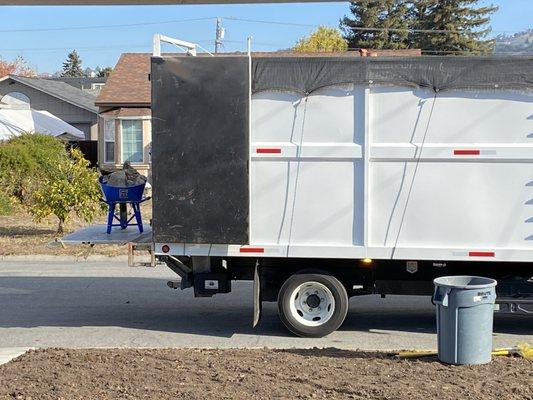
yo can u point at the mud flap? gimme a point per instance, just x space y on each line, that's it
258 304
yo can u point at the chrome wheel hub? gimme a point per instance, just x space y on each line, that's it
312 304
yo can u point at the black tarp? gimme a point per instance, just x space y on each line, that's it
200 123
307 74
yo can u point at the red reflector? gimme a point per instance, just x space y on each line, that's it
481 254
268 151
252 250
466 152
165 248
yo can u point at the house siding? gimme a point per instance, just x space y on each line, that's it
71 114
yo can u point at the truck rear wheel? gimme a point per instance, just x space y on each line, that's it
312 304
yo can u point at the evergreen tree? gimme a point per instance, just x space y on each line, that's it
72 67
465 24
383 24
104 72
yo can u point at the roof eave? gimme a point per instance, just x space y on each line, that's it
122 104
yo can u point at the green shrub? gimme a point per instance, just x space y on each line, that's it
25 160
69 186
47 179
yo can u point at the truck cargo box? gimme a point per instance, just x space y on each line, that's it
426 158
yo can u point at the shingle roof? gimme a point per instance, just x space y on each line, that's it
60 90
128 84
80 82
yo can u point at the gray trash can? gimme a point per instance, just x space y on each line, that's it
465 311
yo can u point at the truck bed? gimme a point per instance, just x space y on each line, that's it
404 159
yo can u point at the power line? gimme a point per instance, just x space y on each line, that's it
247 20
54 49
147 46
147 49
256 43
123 47
257 21
72 28
219 32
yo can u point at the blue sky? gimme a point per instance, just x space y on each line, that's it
46 50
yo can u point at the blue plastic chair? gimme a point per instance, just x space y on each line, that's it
123 196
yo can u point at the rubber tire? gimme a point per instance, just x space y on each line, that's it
339 314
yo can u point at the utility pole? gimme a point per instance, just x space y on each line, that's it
219 35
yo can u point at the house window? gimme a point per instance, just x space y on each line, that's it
109 140
132 141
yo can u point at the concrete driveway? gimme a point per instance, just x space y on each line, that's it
64 303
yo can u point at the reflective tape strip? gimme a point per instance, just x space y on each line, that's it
481 254
474 254
465 152
252 250
264 150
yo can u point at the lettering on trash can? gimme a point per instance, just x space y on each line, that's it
481 296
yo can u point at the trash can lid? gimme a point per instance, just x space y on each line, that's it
465 282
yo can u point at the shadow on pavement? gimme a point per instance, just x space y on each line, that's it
147 304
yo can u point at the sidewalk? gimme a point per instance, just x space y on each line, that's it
61 258
9 353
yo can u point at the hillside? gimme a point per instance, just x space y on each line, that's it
521 42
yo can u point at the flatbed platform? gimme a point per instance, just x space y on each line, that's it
96 234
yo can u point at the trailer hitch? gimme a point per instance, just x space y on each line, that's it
174 284
182 269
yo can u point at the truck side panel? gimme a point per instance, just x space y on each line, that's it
200 149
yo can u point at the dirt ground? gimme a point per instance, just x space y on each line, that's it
255 374
20 235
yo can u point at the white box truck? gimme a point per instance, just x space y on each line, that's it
322 178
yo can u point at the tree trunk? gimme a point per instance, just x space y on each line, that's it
60 227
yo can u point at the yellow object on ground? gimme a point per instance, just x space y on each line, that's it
521 350
416 354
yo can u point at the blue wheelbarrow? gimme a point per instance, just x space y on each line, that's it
122 196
